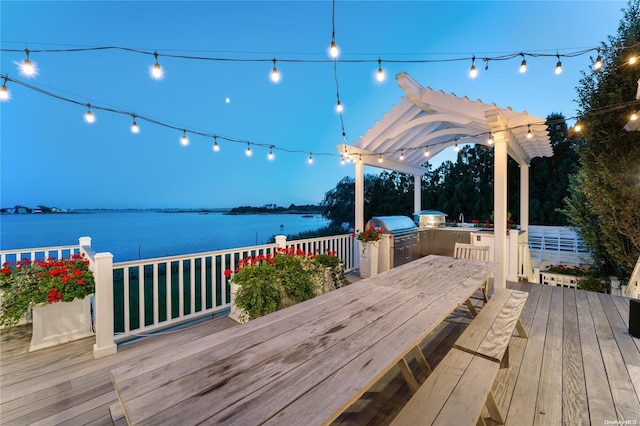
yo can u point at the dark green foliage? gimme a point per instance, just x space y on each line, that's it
260 293
295 280
604 201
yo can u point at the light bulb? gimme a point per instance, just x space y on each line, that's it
523 65
402 155
559 66
134 126
310 160
28 68
184 140
634 117
275 75
577 127
456 148
473 72
598 63
380 74
270 156
216 147
4 92
342 160
379 158
426 152
529 134
156 70
88 116
248 151
490 139
339 106
333 49
632 60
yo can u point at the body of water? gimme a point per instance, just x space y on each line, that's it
131 235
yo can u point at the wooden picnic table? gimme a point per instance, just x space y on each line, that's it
304 364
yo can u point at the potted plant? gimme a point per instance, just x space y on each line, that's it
56 291
369 254
264 284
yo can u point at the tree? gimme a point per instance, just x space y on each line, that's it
339 203
604 200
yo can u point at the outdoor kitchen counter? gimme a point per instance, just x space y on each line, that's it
304 364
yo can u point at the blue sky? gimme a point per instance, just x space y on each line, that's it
49 155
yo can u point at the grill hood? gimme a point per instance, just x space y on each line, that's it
392 224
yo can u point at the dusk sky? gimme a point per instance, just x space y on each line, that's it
49 155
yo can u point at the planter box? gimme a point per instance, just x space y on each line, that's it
61 322
559 280
369 259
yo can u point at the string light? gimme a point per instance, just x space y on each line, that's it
473 72
632 60
456 148
88 116
184 140
379 158
275 75
634 116
558 65
134 126
529 134
4 92
598 63
402 155
248 151
490 139
333 49
342 160
339 106
156 70
380 75
426 151
523 65
577 127
28 68
310 160
216 147
270 156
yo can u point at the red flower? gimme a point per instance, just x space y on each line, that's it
228 272
77 273
80 282
6 271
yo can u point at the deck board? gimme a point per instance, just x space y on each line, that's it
599 379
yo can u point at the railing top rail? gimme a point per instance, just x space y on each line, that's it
192 255
40 249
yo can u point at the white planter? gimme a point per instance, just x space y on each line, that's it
61 322
369 259
237 314
559 280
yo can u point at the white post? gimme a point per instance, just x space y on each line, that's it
103 274
417 193
500 209
281 241
359 205
84 241
524 198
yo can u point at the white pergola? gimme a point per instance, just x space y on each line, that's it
432 120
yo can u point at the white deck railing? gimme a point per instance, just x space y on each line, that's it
141 297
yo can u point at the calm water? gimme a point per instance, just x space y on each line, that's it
132 235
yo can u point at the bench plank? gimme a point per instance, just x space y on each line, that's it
455 393
490 332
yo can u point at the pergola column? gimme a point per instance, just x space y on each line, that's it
500 209
359 190
417 193
524 197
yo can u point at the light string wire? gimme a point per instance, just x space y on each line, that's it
215 136
504 57
335 69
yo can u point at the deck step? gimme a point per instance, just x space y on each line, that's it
117 414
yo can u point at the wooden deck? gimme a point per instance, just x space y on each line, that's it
579 366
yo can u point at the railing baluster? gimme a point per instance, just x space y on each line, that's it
127 315
156 295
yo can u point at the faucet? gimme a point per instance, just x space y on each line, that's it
461 219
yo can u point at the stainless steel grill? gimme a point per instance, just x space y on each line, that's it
404 237
430 219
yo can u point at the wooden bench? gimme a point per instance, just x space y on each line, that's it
470 251
460 386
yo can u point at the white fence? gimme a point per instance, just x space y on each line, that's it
144 296
556 245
